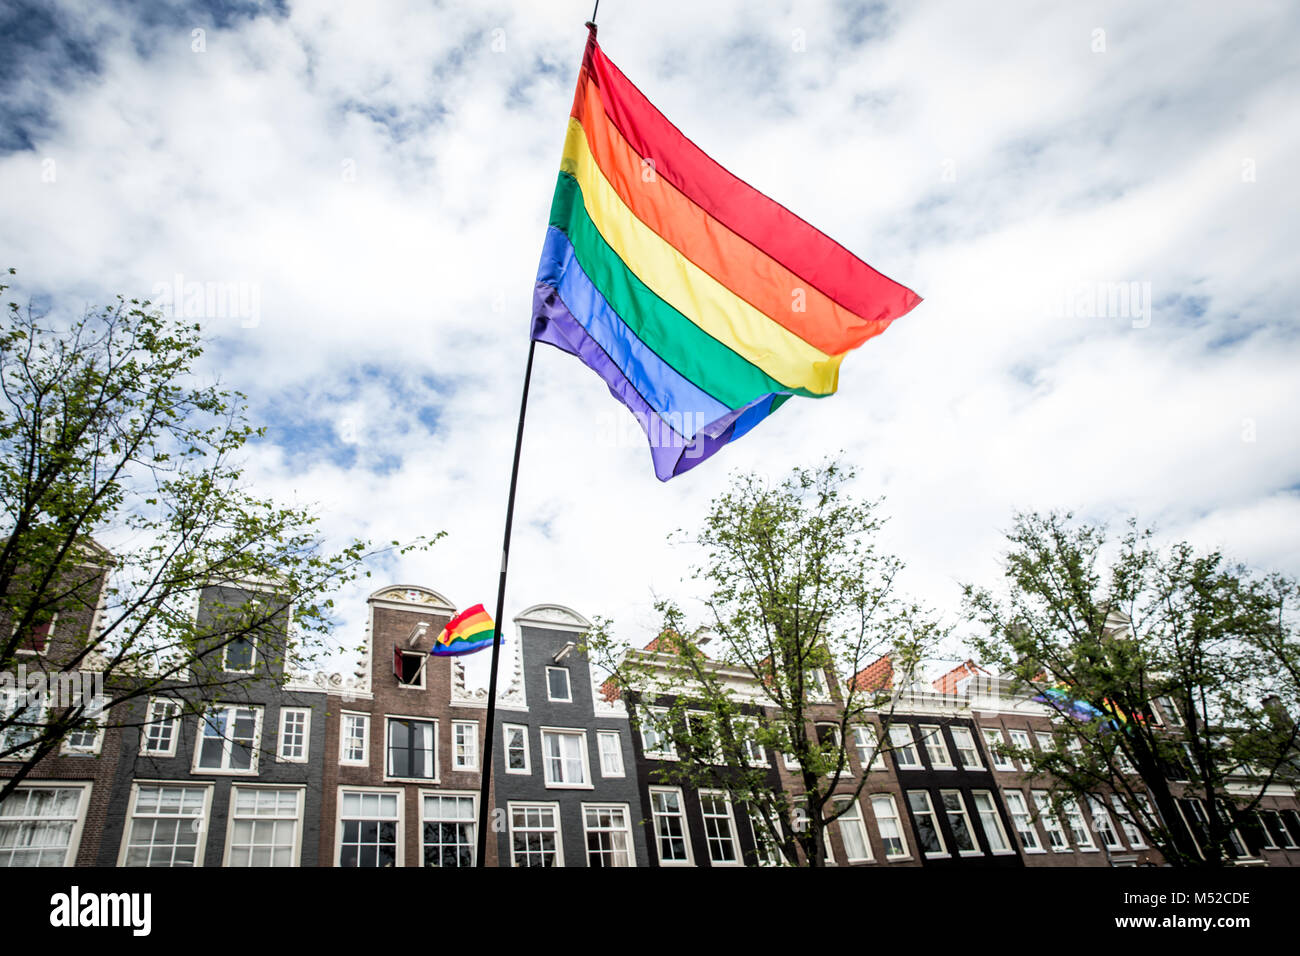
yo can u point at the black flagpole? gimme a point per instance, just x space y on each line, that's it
490 731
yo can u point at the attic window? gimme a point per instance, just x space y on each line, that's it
408 667
37 639
557 684
241 655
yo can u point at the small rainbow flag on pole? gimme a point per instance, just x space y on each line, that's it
467 632
703 304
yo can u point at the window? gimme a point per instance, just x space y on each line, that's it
264 825
239 656
609 835
867 744
38 638
670 827
228 740
535 835
935 746
1168 712
162 729
997 751
354 741
1276 829
853 831
1128 824
814 682
516 740
1292 820
991 822
1055 833
703 739
927 824
610 743
557 684
1045 743
966 750
654 741
564 753
1103 823
891 834
719 828
295 723
41 825
448 823
1020 740
167 826
1074 820
766 850
831 743
412 749
1020 819
370 826
88 736
29 717
464 745
409 667
963 837
746 731
903 745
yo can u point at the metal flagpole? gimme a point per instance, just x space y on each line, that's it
489 730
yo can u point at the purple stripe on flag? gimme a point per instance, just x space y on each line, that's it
670 452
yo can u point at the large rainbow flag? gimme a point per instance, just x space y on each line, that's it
703 304
469 631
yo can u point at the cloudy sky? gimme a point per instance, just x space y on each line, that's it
377 177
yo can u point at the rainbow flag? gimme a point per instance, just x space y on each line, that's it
467 632
703 304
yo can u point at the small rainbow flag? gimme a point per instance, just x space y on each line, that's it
469 631
703 304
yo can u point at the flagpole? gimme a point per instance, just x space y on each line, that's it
489 729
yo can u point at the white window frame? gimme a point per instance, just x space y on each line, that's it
527 768
816 686
746 730
459 794
899 829
252 664
1100 815
437 748
934 818
1127 824
932 740
581 734
49 636
623 808
1008 848
964 812
876 761
568 683
730 818
1045 741
98 707
650 720
1022 815
993 739
964 733
897 746
421 672
400 835
462 760
769 856
714 755
857 818
78 822
686 829
1020 739
606 769
173 709
1077 825
202 836
227 743
1052 825
298 825
280 753
554 808
344 760
9 696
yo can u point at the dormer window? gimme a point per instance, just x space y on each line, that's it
557 684
240 655
408 668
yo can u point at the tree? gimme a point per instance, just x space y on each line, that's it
1171 673
105 432
797 589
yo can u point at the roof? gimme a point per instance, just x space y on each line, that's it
947 684
878 675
